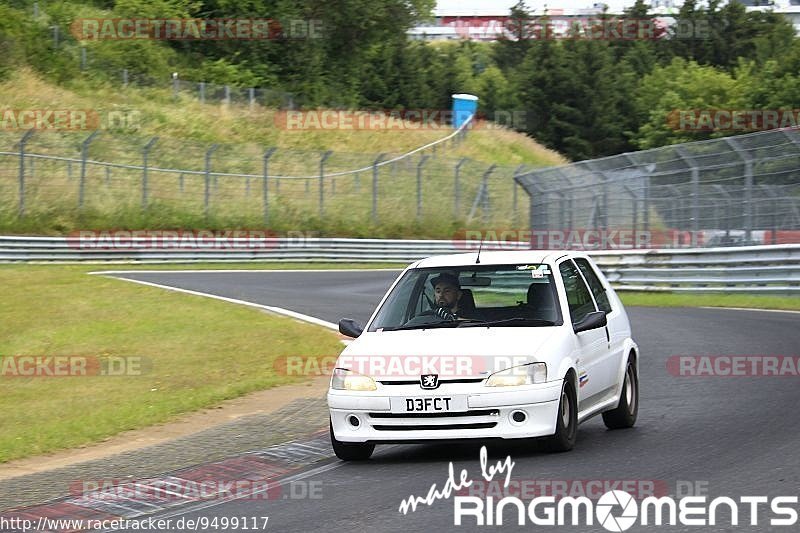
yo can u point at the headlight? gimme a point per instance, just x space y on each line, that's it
344 379
519 375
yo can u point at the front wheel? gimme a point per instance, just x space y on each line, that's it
566 433
351 451
624 416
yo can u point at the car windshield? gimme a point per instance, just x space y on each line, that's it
469 296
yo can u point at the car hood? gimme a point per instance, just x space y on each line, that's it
453 353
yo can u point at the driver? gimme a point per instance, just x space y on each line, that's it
447 294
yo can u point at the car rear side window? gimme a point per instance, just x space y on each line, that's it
578 297
595 285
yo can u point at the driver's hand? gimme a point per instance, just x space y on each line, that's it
444 313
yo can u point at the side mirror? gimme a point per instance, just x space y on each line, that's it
351 328
594 320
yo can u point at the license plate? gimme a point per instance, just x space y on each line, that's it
429 404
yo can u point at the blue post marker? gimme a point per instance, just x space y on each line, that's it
464 106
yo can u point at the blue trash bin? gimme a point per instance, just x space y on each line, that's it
464 106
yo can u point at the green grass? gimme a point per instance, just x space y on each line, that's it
754 301
197 353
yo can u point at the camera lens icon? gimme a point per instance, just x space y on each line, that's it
621 521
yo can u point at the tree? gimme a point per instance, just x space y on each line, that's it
670 96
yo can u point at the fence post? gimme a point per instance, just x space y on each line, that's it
207 192
695 194
145 154
84 154
457 187
265 184
202 92
635 224
125 77
748 186
485 204
55 36
227 94
419 186
773 213
22 143
514 185
482 198
375 187
251 93
322 160
175 85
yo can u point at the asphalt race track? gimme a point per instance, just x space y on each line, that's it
727 436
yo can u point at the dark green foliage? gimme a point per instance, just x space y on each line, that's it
584 97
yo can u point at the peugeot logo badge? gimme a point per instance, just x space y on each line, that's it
429 381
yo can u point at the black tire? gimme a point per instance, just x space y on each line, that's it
624 416
351 451
563 440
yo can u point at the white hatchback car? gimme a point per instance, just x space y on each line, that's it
505 345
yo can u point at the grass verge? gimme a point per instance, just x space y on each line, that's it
753 301
195 352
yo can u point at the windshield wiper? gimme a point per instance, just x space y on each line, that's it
433 325
516 321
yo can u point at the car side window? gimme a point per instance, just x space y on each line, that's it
595 285
578 297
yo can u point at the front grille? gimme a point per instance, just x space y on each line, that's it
441 381
474 412
474 419
478 425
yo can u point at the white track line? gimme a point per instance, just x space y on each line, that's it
752 309
211 271
270 308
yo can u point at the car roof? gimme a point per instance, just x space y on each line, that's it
494 258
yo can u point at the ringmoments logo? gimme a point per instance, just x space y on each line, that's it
618 510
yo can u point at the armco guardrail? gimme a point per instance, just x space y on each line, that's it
746 269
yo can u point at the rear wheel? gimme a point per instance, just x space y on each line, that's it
566 433
624 416
351 451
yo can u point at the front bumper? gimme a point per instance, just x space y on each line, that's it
489 413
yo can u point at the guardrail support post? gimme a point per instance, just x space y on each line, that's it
419 186
207 192
322 160
265 184
145 155
375 187
22 143
84 155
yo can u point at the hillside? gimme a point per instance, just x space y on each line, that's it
186 128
